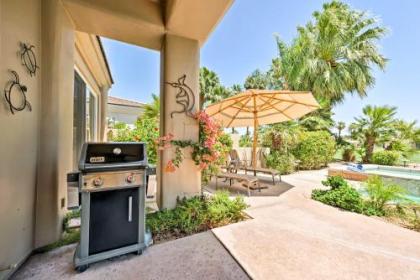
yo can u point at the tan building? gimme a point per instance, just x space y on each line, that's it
39 146
124 110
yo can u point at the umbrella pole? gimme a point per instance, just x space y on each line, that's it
254 145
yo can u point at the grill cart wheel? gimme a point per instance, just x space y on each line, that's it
82 268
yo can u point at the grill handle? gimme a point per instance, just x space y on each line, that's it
130 208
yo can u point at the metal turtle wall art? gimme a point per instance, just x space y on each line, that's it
28 58
184 97
13 88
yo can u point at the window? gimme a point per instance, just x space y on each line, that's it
85 116
91 116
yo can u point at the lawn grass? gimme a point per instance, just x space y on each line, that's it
415 157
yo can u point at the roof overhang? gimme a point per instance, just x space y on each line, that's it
91 60
145 22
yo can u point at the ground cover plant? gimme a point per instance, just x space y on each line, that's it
195 215
383 199
69 235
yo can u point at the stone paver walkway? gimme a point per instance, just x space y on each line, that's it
294 237
200 256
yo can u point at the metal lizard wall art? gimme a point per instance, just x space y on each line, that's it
184 97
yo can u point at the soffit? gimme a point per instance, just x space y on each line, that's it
145 22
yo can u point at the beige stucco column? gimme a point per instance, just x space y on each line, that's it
103 114
56 122
179 56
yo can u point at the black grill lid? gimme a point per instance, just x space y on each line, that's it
112 156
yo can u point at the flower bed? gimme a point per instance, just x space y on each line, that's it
195 215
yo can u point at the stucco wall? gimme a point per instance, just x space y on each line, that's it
179 56
20 20
56 121
35 147
124 114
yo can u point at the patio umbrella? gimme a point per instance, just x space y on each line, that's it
256 107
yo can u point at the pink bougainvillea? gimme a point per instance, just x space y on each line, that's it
204 151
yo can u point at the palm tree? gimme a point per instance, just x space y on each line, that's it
257 80
211 90
403 137
376 122
333 54
152 110
284 68
340 127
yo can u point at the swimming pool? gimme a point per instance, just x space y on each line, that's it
407 178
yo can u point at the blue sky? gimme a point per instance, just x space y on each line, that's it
244 41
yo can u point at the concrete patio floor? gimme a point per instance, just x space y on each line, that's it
290 236
200 256
295 237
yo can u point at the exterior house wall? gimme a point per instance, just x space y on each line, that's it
36 147
91 65
56 121
125 114
20 20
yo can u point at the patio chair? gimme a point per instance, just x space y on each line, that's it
234 162
250 182
265 170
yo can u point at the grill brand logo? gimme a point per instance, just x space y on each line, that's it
96 159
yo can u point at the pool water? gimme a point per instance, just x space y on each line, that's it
395 171
409 179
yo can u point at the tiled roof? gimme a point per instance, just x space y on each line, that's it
124 102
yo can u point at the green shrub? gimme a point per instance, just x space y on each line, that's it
245 141
197 214
120 125
385 157
344 197
381 193
222 210
315 149
146 130
335 182
285 163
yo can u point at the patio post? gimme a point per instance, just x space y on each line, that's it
179 56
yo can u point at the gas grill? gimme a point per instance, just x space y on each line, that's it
112 187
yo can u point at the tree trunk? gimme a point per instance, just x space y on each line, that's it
201 102
369 145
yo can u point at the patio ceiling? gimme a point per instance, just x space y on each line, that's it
145 22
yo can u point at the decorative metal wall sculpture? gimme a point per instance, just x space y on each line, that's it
15 87
28 58
184 97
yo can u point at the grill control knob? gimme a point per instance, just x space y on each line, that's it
97 182
130 179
